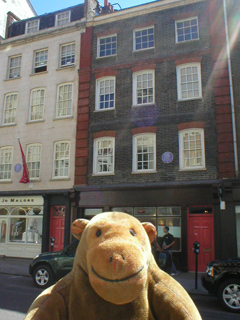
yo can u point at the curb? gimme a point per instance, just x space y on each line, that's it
15 274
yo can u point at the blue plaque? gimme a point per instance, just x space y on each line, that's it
18 167
167 157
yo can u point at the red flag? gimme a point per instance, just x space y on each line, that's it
25 175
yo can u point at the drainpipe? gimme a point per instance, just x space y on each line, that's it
231 89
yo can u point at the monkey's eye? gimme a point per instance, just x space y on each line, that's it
98 233
132 232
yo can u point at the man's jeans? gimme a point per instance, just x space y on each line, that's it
174 270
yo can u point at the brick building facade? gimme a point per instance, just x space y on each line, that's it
134 151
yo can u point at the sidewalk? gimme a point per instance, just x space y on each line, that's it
19 267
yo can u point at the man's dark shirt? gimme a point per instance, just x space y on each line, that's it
168 238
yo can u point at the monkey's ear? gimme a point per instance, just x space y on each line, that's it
150 229
78 227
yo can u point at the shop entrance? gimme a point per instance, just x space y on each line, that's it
57 223
201 229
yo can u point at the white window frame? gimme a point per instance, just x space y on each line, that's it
140 30
95 156
97 97
36 105
181 150
135 75
13 110
179 83
40 64
57 18
62 159
67 55
176 29
98 46
6 164
33 159
27 26
11 69
60 101
134 157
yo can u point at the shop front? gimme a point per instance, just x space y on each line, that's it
162 206
21 221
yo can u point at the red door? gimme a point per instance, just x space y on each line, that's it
201 229
57 223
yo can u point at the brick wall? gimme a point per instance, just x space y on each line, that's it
167 112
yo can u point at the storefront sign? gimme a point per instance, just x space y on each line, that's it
167 157
22 200
18 167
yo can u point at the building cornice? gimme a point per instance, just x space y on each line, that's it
139 10
42 35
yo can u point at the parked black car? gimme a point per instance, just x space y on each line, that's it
48 267
222 278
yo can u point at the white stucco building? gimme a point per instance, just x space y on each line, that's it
38 103
21 9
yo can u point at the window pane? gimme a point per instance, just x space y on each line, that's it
33 160
37 104
68 54
61 159
40 61
15 67
192 149
63 18
64 104
10 108
187 30
144 39
106 100
107 46
145 153
189 82
6 160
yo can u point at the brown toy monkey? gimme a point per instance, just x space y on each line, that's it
114 277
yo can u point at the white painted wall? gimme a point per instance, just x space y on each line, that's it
50 130
21 8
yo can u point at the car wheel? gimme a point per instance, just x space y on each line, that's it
229 294
43 276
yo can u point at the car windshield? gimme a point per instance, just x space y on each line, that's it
72 249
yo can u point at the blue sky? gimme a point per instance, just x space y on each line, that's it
46 6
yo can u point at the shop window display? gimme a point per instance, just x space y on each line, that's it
25 224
